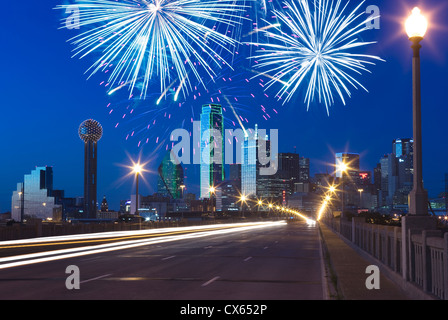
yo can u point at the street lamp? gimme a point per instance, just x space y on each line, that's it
243 199
136 169
416 26
342 167
182 187
212 197
259 204
360 197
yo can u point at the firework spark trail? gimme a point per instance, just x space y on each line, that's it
317 50
148 121
155 38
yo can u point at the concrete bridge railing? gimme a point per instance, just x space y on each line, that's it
417 258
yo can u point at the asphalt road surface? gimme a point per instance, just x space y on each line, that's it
281 262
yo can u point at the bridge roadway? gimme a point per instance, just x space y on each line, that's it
284 261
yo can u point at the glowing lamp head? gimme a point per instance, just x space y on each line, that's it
342 167
416 25
243 198
137 168
212 189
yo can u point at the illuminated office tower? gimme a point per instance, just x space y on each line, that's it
33 196
212 148
90 131
402 175
249 164
304 169
254 183
402 147
288 171
171 177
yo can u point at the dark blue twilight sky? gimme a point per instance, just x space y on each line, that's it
45 96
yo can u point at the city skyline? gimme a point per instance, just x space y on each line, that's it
354 171
58 98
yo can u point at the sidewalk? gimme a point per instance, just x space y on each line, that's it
348 271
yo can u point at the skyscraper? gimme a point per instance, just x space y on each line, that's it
104 205
397 174
288 170
253 182
235 175
384 181
403 152
304 169
212 148
249 164
33 197
401 147
171 177
90 131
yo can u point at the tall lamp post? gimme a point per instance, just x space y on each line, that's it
136 169
182 187
212 198
243 199
342 167
418 218
360 197
416 26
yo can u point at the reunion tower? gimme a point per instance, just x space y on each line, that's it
90 131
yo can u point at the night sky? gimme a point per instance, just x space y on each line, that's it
45 96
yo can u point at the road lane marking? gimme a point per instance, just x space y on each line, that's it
210 281
97 278
170 257
248 258
90 259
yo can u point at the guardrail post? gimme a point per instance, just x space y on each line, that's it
445 265
412 224
354 232
395 258
425 263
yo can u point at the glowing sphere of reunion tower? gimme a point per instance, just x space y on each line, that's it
90 131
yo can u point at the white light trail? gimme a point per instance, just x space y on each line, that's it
26 259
